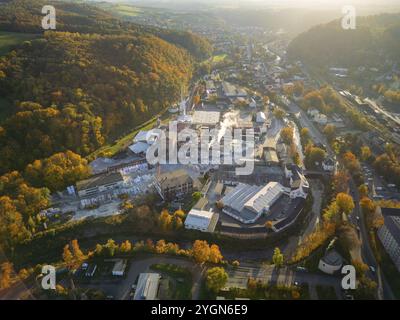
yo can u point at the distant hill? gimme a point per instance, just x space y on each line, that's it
294 20
25 16
375 39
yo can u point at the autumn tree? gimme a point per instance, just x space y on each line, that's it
305 135
372 215
279 113
340 182
142 218
363 191
268 225
287 135
345 203
77 252
160 246
68 256
351 162
201 251
110 247
365 153
23 274
330 132
314 155
216 279
58 171
277 258
215 254
126 246
165 220
6 272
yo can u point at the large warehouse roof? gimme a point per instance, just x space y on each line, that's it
147 287
265 197
247 203
237 198
206 117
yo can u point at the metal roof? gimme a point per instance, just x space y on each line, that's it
99 180
265 197
199 218
139 147
206 117
147 287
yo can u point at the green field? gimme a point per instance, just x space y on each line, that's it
218 58
126 10
10 39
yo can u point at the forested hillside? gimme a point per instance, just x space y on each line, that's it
25 16
374 39
67 92
74 91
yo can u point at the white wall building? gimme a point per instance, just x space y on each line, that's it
201 220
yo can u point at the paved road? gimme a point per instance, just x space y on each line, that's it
384 290
305 122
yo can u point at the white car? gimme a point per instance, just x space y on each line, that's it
372 269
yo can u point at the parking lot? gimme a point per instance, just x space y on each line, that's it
378 187
120 288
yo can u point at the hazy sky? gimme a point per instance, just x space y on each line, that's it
315 4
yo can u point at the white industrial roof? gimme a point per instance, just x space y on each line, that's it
254 198
260 118
265 197
206 117
199 218
237 198
139 147
147 287
142 136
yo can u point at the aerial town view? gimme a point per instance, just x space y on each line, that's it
199 150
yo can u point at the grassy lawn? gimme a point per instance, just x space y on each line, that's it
269 292
218 58
326 293
181 279
10 39
127 10
110 150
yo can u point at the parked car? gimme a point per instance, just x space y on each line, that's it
302 269
372 269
